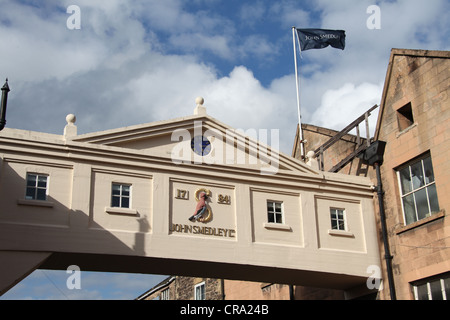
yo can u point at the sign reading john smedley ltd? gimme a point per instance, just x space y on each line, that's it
202 214
208 231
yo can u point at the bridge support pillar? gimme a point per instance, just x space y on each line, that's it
16 265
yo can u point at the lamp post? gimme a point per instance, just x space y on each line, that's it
5 90
373 155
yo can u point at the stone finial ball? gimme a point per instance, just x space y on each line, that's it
70 118
199 100
310 154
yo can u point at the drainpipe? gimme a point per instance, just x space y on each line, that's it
223 288
387 254
373 155
291 292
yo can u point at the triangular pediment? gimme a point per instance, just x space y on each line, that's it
224 146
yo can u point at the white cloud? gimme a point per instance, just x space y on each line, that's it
289 13
338 86
140 61
38 47
258 46
252 13
110 74
238 99
114 72
198 42
340 107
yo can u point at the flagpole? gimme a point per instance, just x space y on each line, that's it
300 131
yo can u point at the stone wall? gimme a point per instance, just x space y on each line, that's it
419 81
317 136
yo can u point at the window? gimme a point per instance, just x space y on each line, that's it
436 288
165 294
200 291
121 194
274 212
337 219
36 187
418 190
405 117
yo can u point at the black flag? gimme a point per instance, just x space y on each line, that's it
321 38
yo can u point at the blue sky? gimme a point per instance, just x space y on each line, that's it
52 285
141 61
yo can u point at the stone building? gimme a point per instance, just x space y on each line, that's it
122 200
185 288
414 121
176 286
191 288
340 154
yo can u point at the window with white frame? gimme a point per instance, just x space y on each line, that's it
418 189
435 288
165 294
37 185
337 219
120 195
199 291
275 211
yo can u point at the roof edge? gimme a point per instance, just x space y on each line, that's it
167 281
420 53
403 52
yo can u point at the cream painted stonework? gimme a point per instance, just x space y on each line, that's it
78 225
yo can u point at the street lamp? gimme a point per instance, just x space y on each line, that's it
5 90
